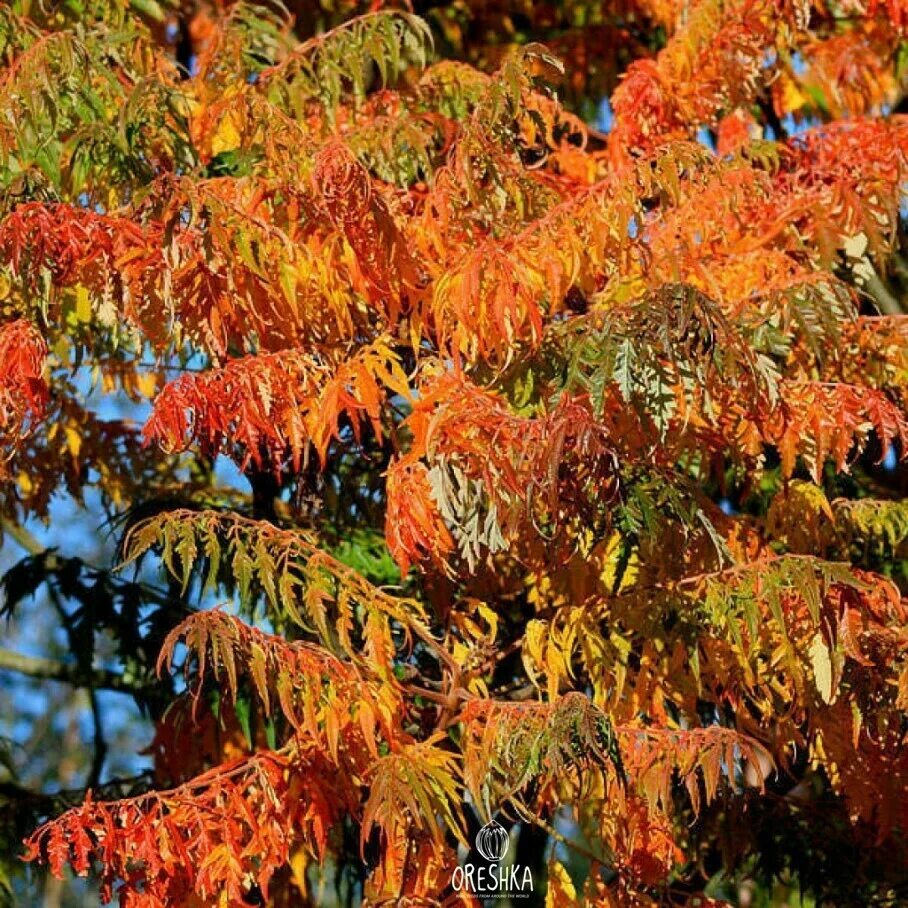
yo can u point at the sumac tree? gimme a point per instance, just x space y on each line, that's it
564 505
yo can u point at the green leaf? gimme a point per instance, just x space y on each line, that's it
243 709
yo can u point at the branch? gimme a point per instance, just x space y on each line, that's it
885 301
52 670
568 843
55 802
22 536
772 118
100 743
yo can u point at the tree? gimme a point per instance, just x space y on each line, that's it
562 446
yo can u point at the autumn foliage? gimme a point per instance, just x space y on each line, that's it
563 501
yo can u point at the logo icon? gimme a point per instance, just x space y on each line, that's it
495 879
492 841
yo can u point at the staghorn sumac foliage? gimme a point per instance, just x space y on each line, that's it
23 392
566 488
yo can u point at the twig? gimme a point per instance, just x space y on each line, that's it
564 840
100 743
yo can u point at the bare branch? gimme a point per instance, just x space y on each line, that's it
52 670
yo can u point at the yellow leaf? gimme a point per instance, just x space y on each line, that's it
227 136
147 384
299 863
83 304
822 667
533 647
460 653
257 665
73 440
791 96
561 890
